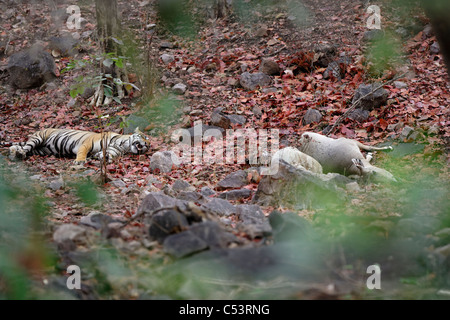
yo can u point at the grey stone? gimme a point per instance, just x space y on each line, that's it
56 184
166 45
312 115
165 223
251 81
236 194
156 200
118 183
181 185
372 35
167 58
97 220
269 67
31 68
219 119
163 161
400 85
236 179
214 235
207 191
299 189
406 133
289 226
359 115
179 88
183 244
325 54
133 121
220 207
373 99
237 119
434 48
68 232
254 221
65 45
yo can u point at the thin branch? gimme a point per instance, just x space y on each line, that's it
356 103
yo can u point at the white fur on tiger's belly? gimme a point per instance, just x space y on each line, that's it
297 159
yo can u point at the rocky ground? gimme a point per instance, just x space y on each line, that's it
220 231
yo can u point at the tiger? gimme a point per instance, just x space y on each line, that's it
79 144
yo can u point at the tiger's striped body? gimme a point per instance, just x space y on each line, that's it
79 144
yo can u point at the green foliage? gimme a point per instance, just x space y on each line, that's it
22 250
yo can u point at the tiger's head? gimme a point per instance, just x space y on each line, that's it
139 143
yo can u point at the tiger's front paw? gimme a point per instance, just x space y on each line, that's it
79 162
99 156
16 153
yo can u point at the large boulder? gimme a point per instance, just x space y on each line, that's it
300 188
31 68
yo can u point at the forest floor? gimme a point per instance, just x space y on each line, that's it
210 64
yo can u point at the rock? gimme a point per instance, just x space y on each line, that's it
179 88
166 45
236 194
191 70
297 159
269 67
251 81
406 133
353 186
213 234
373 99
372 35
156 200
237 119
197 131
312 115
31 68
118 183
207 191
65 46
181 185
97 220
191 196
400 85
236 179
133 121
444 250
87 93
220 207
261 32
289 226
166 222
219 119
163 161
434 48
183 244
253 220
359 115
427 31
167 58
56 184
299 189
325 53
68 233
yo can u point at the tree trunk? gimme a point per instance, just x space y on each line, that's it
107 23
438 12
